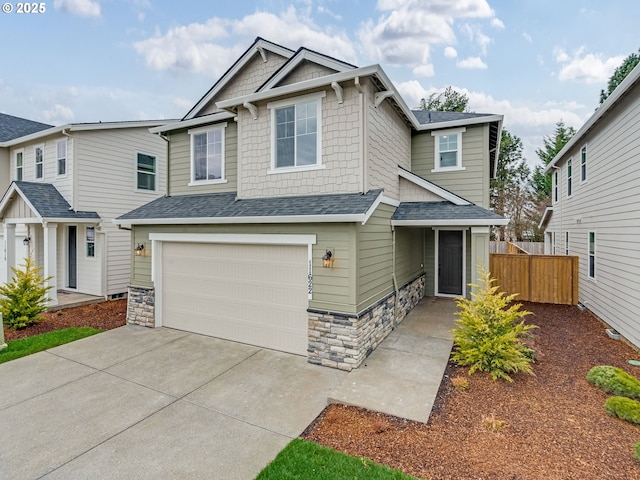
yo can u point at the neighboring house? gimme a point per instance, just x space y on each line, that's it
595 211
67 185
309 209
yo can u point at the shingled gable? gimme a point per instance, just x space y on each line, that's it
14 127
444 214
45 201
260 46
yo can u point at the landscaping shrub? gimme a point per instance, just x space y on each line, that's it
614 380
25 297
491 336
636 448
624 408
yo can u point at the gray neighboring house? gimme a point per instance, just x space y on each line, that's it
595 210
309 208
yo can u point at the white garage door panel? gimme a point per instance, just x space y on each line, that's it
253 294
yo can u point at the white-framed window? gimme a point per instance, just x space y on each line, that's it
448 149
296 133
19 164
90 236
583 164
145 172
208 154
569 178
591 267
555 185
61 157
38 153
566 243
553 243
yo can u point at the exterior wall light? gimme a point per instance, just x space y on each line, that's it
26 241
139 250
327 259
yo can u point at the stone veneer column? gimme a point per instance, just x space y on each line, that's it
343 341
141 306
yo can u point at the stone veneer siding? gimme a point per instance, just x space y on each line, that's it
141 306
343 341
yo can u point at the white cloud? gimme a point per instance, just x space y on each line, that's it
58 114
424 71
497 23
201 47
474 33
472 63
406 30
83 8
585 67
326 11
527 37
450 52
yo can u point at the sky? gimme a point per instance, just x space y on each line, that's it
536 62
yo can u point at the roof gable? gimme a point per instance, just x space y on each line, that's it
260 47
443 193
14 127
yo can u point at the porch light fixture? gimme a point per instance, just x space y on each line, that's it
139 250
26 241
327 259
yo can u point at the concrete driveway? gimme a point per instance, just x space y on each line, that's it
135 403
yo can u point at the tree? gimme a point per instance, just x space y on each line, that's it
510 193
620 74
446 101
540 181
25 298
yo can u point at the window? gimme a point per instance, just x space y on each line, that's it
296 132
91 241
583 164
207 154
555 186
592 255
19 165
146 172
39 155
566 243
569 178
61 162
448 149
553 243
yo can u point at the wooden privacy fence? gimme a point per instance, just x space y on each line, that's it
537 278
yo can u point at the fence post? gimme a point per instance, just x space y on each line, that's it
575 279
2 342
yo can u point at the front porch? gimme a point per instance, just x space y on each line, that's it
68 299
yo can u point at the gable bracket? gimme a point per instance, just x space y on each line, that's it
263 53
380 96
338 89
252 109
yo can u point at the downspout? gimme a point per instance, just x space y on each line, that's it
363 142
74 175
393 275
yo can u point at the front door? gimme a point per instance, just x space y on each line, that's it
450 262
72 255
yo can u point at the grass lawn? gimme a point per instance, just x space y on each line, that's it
37 343
304 460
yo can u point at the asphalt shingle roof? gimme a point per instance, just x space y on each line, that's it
14 127
225 205
442 211
48 202
433 116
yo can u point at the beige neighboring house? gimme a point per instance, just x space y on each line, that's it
595 210
67 184
309 208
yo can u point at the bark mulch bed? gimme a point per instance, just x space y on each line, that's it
551 426
103 316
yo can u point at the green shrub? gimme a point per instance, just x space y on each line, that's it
25 298
491 337
636 448
624 408
614 380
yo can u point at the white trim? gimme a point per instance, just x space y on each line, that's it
585 177
302 168
15 164
595 255
464 262
356 217
436 159
194 122
380 199
136 187
475 222
432 187
66 158
461 123
8 196
235 238
546 216
223 154
156 278
35 162
480 230
570 178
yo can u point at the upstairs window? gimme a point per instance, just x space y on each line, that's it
448 149
569 178
19 165
296 132
555 185
39 156
583 164
207 154
91 241
146 172
61 157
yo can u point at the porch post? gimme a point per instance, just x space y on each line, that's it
479 251
10 246
50 231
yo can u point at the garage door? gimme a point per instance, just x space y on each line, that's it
255 294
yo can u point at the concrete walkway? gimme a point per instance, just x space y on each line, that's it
160 403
